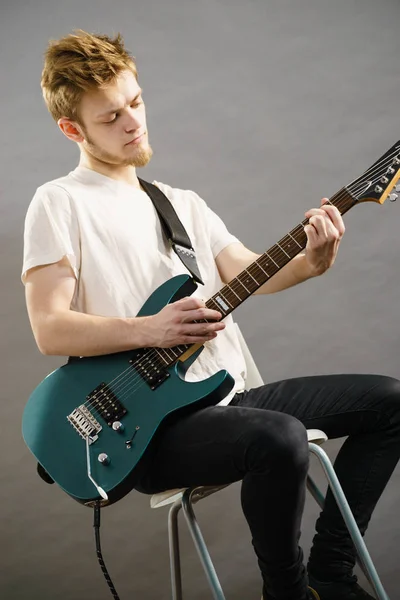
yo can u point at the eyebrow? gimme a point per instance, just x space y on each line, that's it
111 111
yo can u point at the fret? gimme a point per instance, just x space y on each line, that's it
288 246
279 246
255 280
167 351
294 239
157 352
260 267
241 299
272 260
233 286
242 284
216 306
225 298
222 305
268 264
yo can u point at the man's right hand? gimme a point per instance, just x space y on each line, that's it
174 324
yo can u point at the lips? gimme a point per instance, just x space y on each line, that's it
136 139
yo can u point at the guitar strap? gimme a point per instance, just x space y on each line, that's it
177 236
173 229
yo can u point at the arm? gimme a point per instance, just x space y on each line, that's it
58 330
324 231
236 257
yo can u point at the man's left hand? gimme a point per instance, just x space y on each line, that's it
324 231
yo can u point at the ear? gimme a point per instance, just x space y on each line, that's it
70 129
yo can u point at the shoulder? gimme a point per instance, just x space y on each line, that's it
178 195
50 198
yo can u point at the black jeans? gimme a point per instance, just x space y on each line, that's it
260 438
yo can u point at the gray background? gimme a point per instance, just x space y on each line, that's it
262 107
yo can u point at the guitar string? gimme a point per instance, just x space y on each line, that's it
154 353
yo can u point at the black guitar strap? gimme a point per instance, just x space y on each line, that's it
174 230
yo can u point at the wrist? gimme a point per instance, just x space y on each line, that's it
143 331
307 270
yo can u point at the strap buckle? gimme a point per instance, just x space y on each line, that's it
188 257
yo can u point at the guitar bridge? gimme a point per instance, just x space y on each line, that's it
83 421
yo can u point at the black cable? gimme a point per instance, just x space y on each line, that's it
96 525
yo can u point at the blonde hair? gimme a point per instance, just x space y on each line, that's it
78 63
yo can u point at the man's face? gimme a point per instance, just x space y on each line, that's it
114 119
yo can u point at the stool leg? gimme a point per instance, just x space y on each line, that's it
315 491
174 554
201 545
350 521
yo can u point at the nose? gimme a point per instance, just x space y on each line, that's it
133 121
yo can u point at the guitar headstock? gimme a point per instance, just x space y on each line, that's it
379 181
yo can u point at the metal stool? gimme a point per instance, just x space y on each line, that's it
186 498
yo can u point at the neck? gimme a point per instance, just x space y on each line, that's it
118 172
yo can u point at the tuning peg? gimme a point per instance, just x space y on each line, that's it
393 197
397 188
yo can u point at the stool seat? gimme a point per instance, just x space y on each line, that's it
170 496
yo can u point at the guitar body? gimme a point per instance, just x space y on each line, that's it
61 449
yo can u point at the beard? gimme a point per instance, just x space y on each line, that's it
140 158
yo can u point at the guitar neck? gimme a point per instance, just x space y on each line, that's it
268 264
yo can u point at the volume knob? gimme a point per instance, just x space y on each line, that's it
117 426
103 459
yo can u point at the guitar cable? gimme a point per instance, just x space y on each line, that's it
96 525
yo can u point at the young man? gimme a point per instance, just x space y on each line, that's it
94 252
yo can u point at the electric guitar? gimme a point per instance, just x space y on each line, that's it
90 422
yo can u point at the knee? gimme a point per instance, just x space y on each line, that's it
281 446
389 396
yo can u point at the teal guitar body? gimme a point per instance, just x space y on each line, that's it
90 422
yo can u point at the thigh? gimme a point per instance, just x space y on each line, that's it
338 404
214 446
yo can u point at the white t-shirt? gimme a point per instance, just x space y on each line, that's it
111 234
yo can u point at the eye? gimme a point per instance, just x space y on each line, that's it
112 121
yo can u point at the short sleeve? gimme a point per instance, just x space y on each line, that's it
51 230
220 237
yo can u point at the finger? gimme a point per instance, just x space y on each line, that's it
190 302
194 339
311 233
200 314
320 224
202 329
335 217
331 213
315 211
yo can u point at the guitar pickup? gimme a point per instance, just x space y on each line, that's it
147 365
106 403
